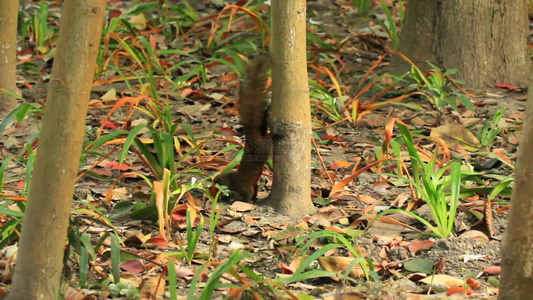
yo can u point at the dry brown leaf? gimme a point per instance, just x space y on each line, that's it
475 234
241 206
418 121
418 246
119 193
443 280
110 95
456 134
159 197
138 21
339 264
72 293
152 287
367 199
400 199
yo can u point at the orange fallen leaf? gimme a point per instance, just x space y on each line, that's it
417 246
492 270
341 164
158 241
458 289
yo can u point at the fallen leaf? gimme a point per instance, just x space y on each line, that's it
458 289
158 241
228 77
367 199
418 121
133 266
475 234
420 265
152 288
240 206
456 134
330 137
184 272
138 21
110 95
494 270
119 193
443 280
341 164
472 283
505 86
339 263
418 246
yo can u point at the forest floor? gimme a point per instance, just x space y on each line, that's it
112 195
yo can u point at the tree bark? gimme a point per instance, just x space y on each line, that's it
290 112
485 40
8 54
40 255
517 244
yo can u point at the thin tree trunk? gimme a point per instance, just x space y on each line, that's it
8 54
290 119
485 40
40 256
517 245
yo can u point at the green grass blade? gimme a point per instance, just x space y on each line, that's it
115 258
454 201
84 265
172 280
129 140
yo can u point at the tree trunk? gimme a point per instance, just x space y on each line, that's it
40 255
517 245
485 40
8 54
290 112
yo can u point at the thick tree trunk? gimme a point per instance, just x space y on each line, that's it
40 255
485 40
8 54
290 118
517 244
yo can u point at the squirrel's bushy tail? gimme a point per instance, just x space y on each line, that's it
253 96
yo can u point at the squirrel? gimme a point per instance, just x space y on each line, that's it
253 109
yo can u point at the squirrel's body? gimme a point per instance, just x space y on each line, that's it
253 108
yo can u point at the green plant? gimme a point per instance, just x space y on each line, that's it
389 24
363 6
36 25
80 248
215 211
488 133
324 101
192 236
334 240
213 282
19 113
488 184
122 289
430 183
436 86
244 282
11 229
172 280
166 147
